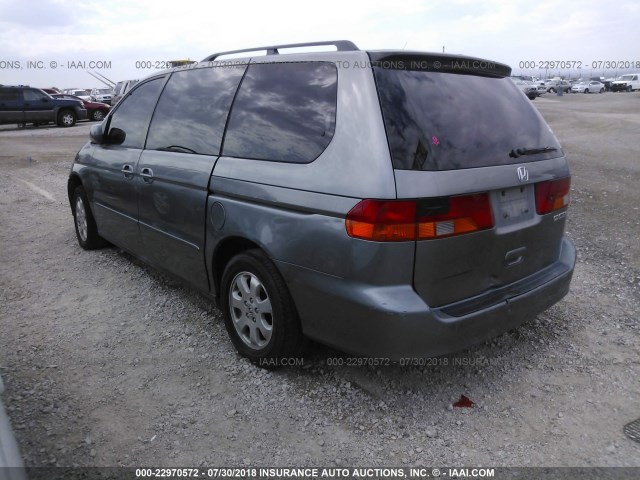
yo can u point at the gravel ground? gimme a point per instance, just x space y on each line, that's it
108 363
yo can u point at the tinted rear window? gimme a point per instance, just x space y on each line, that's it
447 121
283 112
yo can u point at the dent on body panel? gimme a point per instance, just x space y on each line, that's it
305 239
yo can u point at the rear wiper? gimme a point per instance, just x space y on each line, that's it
177 148
518 152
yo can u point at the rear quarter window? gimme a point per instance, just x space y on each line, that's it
283 112
447 121
10 95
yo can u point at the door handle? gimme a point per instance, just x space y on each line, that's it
127 170
147 175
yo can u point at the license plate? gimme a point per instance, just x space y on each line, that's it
515 203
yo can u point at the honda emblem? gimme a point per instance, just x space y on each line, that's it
523 174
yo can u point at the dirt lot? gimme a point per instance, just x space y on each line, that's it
109 363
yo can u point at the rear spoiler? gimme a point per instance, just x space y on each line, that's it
435 62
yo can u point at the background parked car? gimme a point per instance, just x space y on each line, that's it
121 89
588 87
607 83
529 89
22 105
102 95
96 111
554 85
78 92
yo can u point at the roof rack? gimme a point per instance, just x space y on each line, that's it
341 45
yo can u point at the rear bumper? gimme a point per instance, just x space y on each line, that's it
394 322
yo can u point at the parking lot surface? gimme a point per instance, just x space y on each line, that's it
108 363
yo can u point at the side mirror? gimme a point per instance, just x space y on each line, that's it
116 136
96 134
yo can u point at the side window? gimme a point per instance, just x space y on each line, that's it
283 112
134 112
9 95
31 95
193 110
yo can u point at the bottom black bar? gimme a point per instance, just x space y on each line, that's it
281 473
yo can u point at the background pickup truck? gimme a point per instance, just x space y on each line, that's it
22 105
626 83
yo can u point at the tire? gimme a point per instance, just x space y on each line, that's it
97 115
586 90
602 90
86 229
66 118
552 90
259 313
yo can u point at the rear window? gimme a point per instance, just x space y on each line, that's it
447 121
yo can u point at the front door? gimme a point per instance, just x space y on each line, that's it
114 179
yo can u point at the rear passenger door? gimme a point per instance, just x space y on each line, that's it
38 107
182 148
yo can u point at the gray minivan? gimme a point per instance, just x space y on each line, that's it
390 204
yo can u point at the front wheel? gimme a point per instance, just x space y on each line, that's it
66 118
86 229
586 90
602 90
259 313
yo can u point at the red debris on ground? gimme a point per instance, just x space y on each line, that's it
464 402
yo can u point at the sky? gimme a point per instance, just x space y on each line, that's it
47 43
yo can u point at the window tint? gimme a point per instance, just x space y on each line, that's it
9 95
31 95
446 121
134 113
193 110
283 112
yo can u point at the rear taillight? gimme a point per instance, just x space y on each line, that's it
383 221
410 220
552 195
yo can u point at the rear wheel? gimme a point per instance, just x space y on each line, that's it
97 115
86 229
66 118
602 90
260 316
